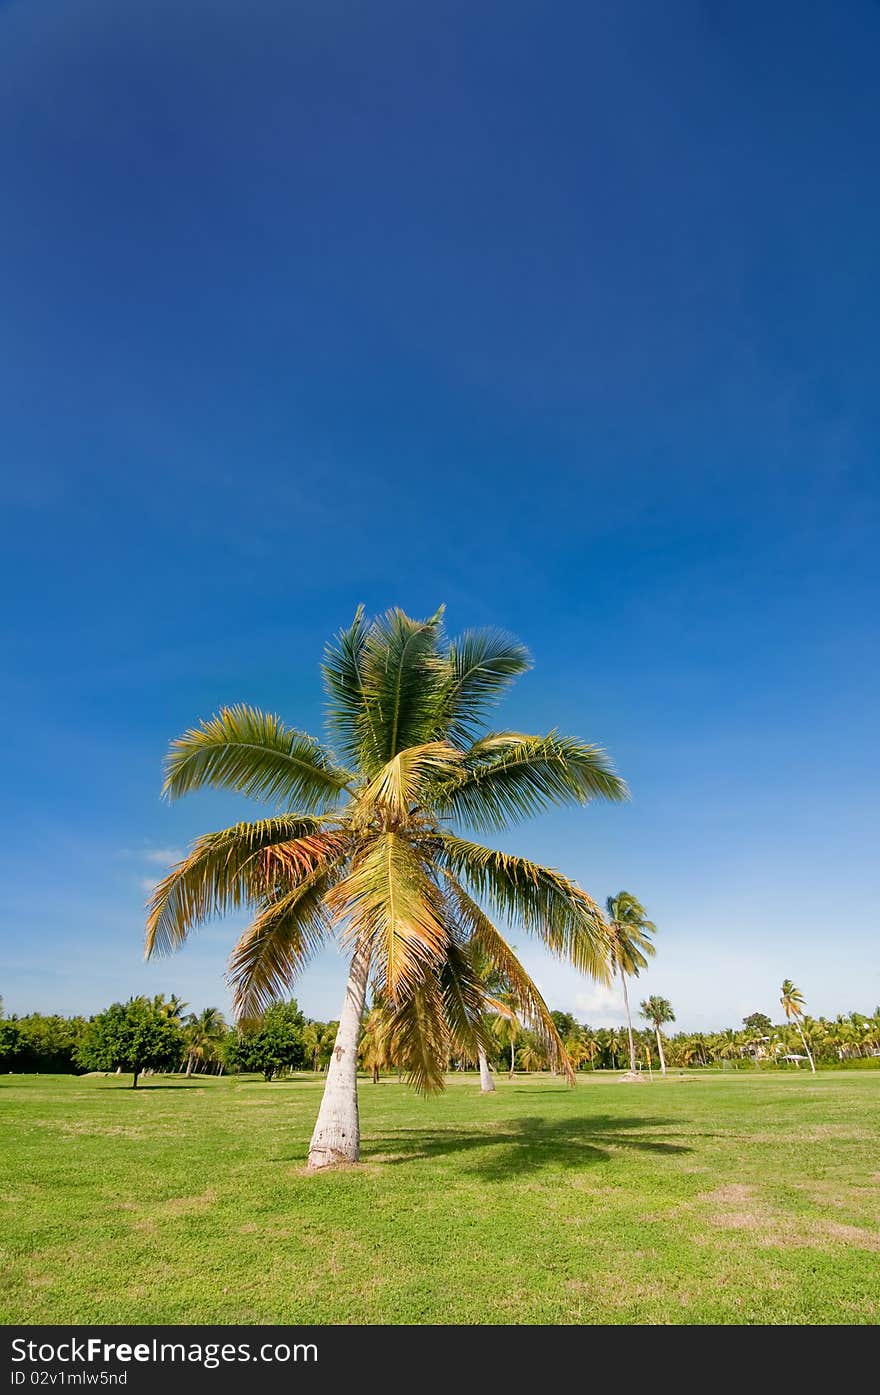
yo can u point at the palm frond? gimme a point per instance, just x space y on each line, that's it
540 899
255 754
630 932
509 776
388 904
228 869
418 1036
479 667
400 784
279 942
348 717
464 1001
400 685
530 1005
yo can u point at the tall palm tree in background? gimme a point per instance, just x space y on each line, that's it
364 844
630 933
793 1003
204 1033
657 1011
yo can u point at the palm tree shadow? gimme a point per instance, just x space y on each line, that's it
513 1147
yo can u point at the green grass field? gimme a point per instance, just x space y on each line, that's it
731 1199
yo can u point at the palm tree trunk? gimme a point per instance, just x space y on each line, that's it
512 1057
487 1084
807 1049
660 1049
189 1065
337 1136
629 1025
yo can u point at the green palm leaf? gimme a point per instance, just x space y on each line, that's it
400 684
348 716
255 754
509 776
419 1037
464 1000
479 668
540 899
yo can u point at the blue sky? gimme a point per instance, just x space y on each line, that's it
565 317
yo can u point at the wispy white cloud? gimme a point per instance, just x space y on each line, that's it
601 1005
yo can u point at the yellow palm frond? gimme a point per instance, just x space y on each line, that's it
389 905
279 942
400 784
229 869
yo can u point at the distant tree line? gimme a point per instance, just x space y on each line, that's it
158 1034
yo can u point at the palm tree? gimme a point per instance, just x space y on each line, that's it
364 844
173 1008
657 1010
318 1038
532 1057
630 933
792 1001
204 1033
506 1028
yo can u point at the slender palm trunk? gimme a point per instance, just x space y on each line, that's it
337 1137
487 1084
189 1065
629 1025
660 1050
807 1049
512 1057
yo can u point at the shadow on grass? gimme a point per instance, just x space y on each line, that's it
145 1089
512 1148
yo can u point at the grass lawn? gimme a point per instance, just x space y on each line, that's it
731 1199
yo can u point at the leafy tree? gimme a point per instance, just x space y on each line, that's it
40 1043
630 932
370 850
566 1025
133 1036
792 1001
274 1044
10 1046
658 1011
758 1022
